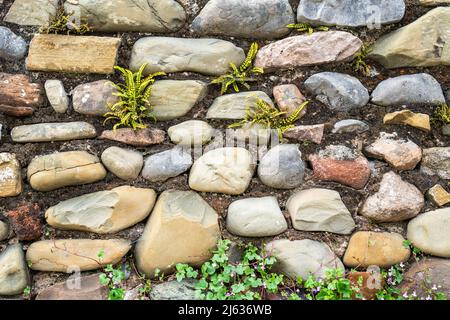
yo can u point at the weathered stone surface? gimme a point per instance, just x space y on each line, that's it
137 138
167 164
12 46
382 249
174 290
31 12
68 255
191 132
94 98
446 130
4 231
420 88
436 161
83 288
341 164
308 50
172 99
400 154
224 170
13 271
349 126
26 221
421 43
56 95
182 228
18 95
302 258
396 200
429 232
426 274
433 2
124 163
206 56
312 133
320 210
262 19
337 91
256 217
10 175
159 16
282 167
438 195
417 120
62 169
78 54
350 13
104 211
234 105
255 133
56 131
288 98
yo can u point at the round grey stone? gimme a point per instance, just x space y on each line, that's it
124 163
12 47
166 165
282 167
338 91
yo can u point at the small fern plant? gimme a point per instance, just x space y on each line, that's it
359 63
306 27
441 115
242 75
133 106
270 117
62 23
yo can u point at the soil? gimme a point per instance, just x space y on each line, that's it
317 113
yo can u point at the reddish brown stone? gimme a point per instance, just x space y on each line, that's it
137 138
353 172
312 133
288 98
18 96
26 221
427 275
368 283
83 288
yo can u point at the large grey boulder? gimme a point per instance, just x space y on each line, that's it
262 19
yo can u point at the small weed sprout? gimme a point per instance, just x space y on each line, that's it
133 106
242 75
270 117
64 23
441 115
359 63
113 278
306 27
220 279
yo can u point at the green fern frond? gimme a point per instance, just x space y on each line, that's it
240 76
359 63
306 27
270 117
134 93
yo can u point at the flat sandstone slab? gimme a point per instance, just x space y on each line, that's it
78 54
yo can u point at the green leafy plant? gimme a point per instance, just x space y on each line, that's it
333 286
219 279
306 27
63 23
113 278
133 106
417 253
240 76
359 63
441 115
270 117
